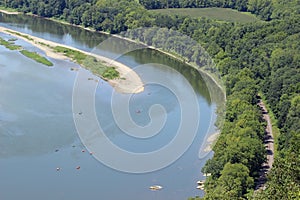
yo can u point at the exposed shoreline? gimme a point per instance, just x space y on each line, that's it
9 12
211 141
129 82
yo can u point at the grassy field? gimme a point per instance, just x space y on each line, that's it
220 14
38 58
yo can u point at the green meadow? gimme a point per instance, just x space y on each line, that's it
220 14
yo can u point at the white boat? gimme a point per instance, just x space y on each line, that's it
155 187
200 187
200 182
208 174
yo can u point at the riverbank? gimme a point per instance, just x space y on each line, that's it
129 81
195 67
210 141
175 57
9 12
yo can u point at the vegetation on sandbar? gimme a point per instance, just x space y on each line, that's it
111 73
35 56
91 63
9 44
19 34
77 56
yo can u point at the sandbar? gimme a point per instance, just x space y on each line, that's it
130 82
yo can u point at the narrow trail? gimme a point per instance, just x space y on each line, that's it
269 145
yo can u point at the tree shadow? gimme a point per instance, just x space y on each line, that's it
269 152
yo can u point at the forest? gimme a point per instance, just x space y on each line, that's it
253 58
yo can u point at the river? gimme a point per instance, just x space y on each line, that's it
38 134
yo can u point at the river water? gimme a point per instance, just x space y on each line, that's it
38 134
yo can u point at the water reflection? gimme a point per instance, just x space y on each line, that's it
53 31
144 56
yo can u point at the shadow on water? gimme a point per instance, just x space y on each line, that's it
145 56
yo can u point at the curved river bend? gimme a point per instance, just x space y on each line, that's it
38 135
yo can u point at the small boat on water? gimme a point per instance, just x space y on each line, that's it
200 187
200 182
155 187
207 174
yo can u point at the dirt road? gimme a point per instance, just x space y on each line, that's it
269 144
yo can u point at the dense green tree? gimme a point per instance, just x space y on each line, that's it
284 179
233 183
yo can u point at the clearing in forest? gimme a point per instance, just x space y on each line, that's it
221 14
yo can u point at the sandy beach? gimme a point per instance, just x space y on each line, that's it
9 12
210 141
129 82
